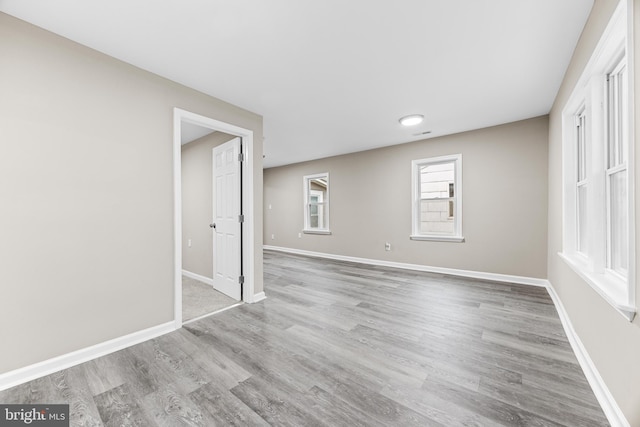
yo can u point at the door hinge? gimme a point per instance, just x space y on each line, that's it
241 157
241 280
240 218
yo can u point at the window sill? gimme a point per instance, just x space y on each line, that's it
612 290
436 238
316 231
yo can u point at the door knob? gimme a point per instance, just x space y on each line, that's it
212 225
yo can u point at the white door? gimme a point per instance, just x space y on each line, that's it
226 218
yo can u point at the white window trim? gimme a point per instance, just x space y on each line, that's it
415 200
589 93
305 185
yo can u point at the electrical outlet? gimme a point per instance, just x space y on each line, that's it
299 235
387 246
189 243
273 236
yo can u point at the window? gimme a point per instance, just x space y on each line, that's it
316 203
597 169
437 199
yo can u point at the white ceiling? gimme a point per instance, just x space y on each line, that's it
334 76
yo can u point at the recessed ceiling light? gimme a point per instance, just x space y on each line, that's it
411 120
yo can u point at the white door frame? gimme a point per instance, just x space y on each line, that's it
248 232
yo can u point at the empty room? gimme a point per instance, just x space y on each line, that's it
298 213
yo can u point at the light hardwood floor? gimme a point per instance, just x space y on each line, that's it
343 344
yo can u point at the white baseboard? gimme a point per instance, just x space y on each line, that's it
496 277
259 297
609 406
40 369
197 277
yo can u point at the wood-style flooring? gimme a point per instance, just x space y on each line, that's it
342 344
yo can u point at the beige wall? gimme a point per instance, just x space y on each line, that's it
86 187
504 207
197 203
611 341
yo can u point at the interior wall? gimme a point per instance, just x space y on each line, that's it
197 203
504 202
612 342
86 183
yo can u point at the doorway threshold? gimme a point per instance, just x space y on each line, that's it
212 313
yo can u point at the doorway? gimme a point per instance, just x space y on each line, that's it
211 250
243 192
227 219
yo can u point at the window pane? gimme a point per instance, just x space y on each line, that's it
435 218
617 115
623 94
436 181
618 223
582 219
317 216
582 147
612 120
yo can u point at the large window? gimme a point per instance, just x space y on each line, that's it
597 171
437 199
316 203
